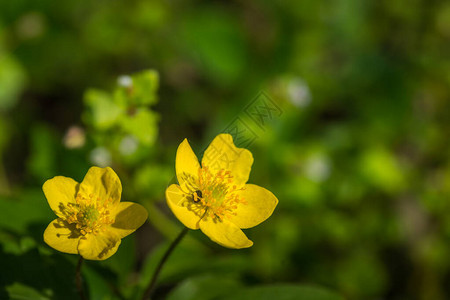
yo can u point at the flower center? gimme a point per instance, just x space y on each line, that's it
213 195
90 214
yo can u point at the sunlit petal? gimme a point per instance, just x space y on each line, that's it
103 183
223 154
62 236
175 198
60 191
258 204
100 246
186 165
225 233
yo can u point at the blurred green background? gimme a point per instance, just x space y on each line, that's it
353 139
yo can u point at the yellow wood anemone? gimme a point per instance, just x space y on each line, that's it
215 196
91 219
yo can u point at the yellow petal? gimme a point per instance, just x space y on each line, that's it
100 246
129 216
175 197
223 154
103 183
225 233
60 191
62 236
260 204
186 165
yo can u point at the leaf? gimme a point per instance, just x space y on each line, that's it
138 90
142 125
216 44
30 208
283 292
103 112
18 291
40 276
151 179
204 287
145 85
42 163
99 288
382 168
12 81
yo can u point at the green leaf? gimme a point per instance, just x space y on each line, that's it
42 163
98 285
382 168
283 292
152 179
204 287
103 112
142 125
12 81
28 208
216 44
33 275
138 90
145 85
18 291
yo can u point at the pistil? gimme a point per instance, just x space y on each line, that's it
90 214
214 195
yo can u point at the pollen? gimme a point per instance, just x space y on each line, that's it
90 214
214 195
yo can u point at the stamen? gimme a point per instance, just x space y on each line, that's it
212 195
89 214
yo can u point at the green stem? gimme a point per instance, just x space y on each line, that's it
151 286
78 279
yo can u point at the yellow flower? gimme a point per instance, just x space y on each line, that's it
91 219
214 197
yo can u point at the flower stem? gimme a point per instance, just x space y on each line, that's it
78 279
151 286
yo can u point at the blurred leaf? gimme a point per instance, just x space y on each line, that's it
381 168
99 288
28 208
32 274
153 179
142 125
216 44
43 157
145 86
103 112
361 269
19 291
12 81
204 287
283 292
188 259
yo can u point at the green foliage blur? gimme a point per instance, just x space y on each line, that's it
353 139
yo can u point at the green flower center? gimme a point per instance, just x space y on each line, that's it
213 195
89 214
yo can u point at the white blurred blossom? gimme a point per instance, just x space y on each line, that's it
74 138
100 157
128 145
298 92
125 81
317 168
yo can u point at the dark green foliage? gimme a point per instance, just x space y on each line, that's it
351 134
